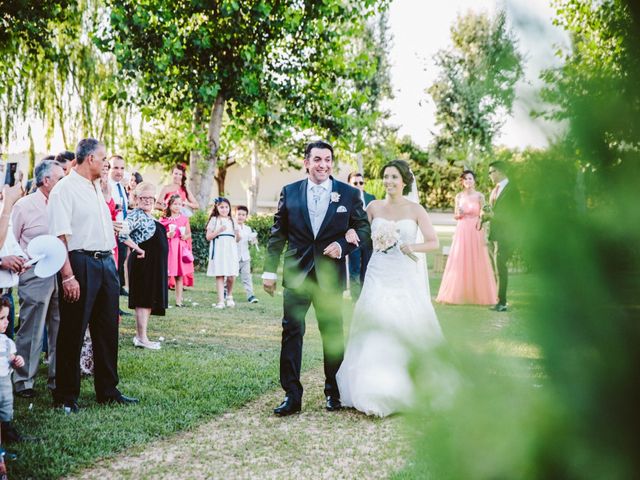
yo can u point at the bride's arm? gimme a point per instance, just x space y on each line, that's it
431 241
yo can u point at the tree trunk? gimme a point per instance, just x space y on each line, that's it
254 188
202 173
221 177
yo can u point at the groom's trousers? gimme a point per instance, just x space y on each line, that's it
328 308
503 252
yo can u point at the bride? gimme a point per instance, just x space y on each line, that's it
394 315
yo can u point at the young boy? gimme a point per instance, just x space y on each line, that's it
8 359
247 235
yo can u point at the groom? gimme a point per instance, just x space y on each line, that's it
312 218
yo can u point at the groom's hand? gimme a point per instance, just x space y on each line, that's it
269 286
333 250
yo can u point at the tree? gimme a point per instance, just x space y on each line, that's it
476 85
597 63
22 44
64 80
188 56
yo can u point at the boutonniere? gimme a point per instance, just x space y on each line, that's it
335 197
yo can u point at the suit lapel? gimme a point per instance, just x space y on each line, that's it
331 210
305 205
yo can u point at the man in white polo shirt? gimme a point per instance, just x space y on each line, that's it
79 216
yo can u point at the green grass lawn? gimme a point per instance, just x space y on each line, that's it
211 361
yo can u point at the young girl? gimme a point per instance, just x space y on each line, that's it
178 233
223 251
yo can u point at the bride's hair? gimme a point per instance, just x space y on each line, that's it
405 173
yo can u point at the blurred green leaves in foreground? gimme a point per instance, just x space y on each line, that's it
580 233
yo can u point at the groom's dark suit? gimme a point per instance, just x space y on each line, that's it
311 277
505 207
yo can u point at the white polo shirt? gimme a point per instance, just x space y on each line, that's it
78 210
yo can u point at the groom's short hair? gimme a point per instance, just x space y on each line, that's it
317 144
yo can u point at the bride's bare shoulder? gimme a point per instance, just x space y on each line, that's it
374 205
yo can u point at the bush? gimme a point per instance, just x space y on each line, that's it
200 246
262 224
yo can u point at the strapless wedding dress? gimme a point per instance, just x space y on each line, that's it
392 319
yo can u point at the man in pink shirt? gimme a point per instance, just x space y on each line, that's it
38 296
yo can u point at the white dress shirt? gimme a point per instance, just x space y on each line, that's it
247 235
78 210
119 195
501 185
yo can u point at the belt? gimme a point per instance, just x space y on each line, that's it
94 253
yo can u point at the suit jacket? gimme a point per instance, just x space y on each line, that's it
507 206
368 198
292 227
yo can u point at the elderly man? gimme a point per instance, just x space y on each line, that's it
119 195
38 296
79 216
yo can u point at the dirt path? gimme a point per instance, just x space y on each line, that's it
253 443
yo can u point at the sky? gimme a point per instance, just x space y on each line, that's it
419 28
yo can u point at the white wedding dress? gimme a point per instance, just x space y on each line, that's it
393 319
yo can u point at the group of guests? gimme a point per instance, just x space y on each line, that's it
65 199
113 239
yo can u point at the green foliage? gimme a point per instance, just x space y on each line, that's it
476 85
597 64
437 180
261 224
200 245
577 417
165 147
275 68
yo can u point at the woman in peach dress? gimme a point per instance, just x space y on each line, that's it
468 277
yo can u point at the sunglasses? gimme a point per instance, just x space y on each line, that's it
358 183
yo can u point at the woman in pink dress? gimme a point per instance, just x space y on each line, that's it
468 277
179 235
178 186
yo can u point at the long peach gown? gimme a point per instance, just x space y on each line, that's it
468 277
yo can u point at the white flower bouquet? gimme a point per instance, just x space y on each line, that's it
387 237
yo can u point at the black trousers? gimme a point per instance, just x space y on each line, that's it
328 308
122 256
503 251
358 261
97 308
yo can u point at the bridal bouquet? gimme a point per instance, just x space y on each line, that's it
387 237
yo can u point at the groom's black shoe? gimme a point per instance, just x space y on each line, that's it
498 307
287 407
333 404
